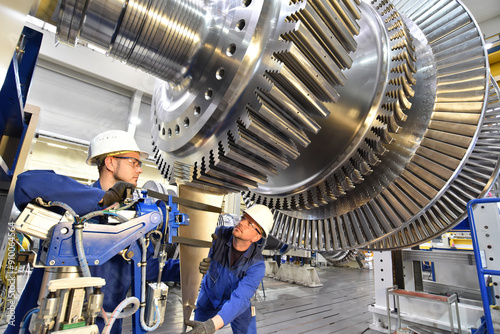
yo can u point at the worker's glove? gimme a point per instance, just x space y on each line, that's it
205 327
204 265
117 193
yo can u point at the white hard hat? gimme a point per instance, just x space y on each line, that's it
112 142
262 216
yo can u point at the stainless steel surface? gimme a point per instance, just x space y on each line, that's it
158 292
181 43
414 192
458 258
338 257
56 273
201 226
361 124
467 295
479 171
159 37
264 89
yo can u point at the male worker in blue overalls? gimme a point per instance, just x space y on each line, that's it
118 158
235 269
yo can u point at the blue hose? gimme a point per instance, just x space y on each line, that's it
27 318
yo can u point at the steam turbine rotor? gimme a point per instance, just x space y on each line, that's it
379 162
361 124
269 78
435 162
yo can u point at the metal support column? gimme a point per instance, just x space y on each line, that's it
484 220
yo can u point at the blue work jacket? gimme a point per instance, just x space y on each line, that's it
54 187
226 289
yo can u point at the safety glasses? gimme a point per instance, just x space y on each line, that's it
249 224
136 163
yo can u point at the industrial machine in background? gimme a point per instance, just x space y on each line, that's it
361 124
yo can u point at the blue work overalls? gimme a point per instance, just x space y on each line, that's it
226 291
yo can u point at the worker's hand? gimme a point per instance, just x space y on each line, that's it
204 265
205 327
116 193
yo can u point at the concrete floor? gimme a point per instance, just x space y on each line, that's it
339 306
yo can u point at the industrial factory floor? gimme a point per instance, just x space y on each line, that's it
339 306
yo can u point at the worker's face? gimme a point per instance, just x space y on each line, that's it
247 229
128 167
